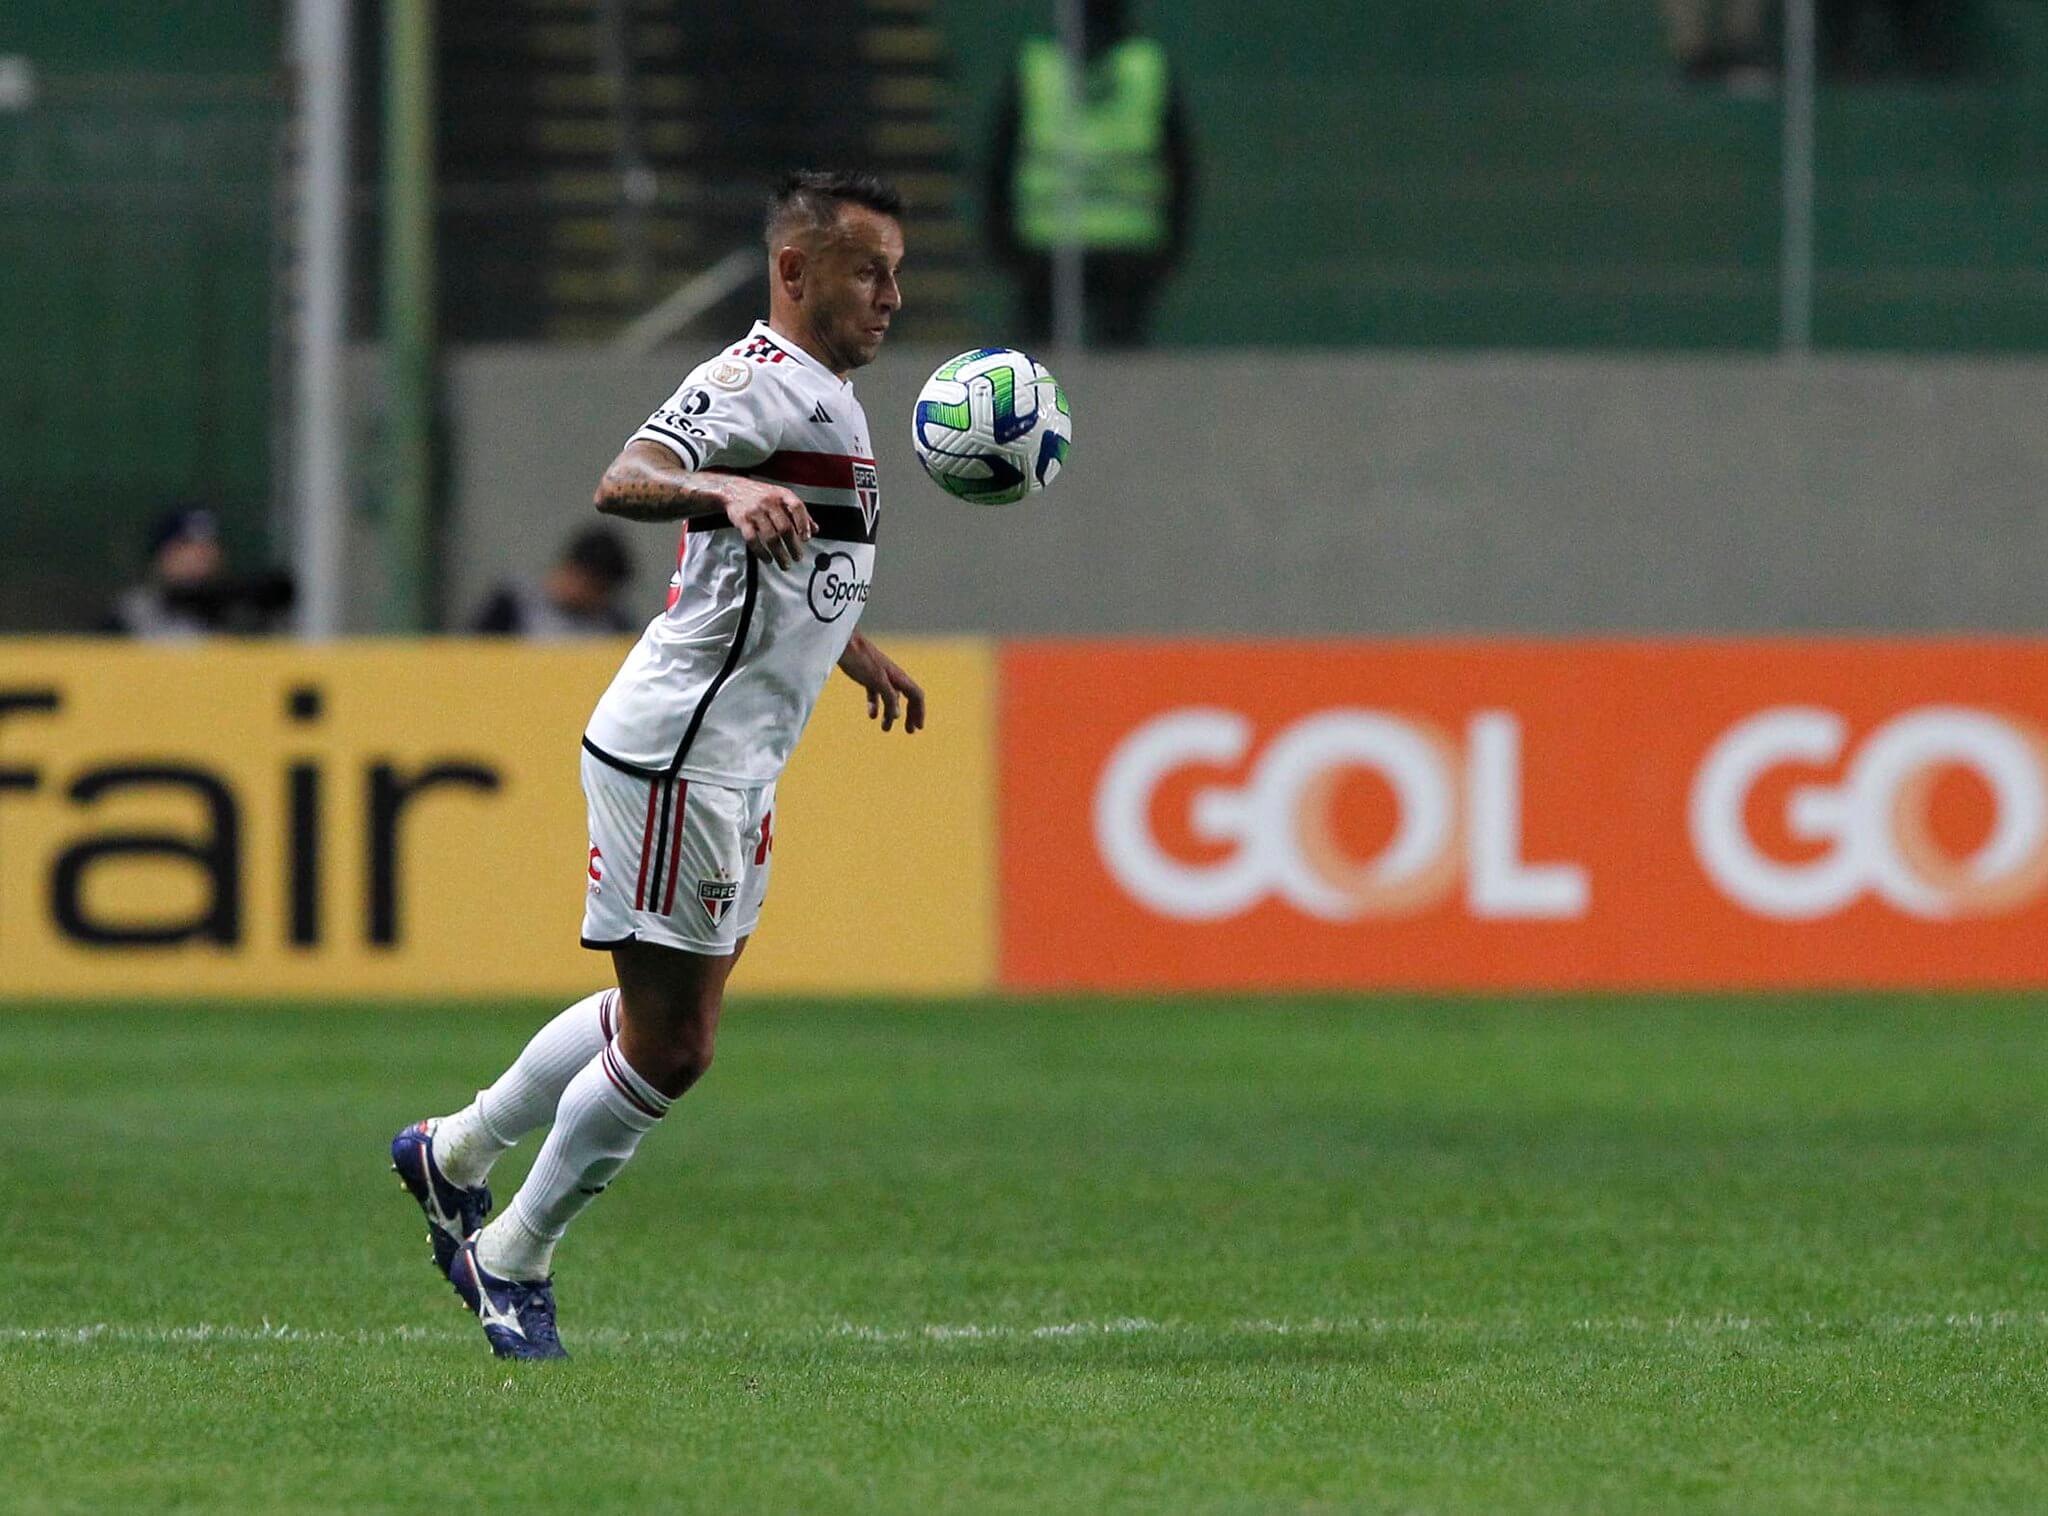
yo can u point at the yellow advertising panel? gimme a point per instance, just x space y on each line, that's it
406 819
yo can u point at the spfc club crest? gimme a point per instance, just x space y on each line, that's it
867 484
717 896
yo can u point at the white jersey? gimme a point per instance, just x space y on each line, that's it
721 684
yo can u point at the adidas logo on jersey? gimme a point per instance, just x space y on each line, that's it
821 416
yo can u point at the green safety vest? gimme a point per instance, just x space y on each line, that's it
1099 154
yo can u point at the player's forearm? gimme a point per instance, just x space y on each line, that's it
634 490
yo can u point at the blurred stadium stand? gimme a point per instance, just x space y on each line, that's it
138 199
596 153
1421 174
1480 174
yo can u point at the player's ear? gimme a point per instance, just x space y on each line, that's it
789 269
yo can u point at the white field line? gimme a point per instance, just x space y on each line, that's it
1727 1324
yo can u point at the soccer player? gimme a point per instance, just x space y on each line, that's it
763 455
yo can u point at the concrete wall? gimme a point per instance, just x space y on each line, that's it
1331 493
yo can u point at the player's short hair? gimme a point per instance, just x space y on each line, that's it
811 197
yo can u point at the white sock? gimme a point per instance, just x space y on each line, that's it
469 1142
604 1113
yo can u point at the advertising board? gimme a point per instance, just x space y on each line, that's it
1525 815
406 818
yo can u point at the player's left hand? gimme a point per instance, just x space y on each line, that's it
891 692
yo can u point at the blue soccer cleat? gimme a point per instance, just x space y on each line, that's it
452 1211
518 1318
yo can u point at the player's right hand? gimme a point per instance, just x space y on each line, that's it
771 519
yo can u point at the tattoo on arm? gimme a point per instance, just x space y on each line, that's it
652 500
634 490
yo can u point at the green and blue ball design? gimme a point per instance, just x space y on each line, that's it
992 426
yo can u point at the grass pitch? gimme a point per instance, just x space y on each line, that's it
1386 1255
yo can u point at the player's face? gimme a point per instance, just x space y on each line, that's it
850 292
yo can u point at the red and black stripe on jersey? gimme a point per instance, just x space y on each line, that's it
761 350
801 471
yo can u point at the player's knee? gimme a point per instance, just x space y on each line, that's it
671 1030
696 1062
680 1067
684 1055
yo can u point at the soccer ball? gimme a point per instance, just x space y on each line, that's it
992 426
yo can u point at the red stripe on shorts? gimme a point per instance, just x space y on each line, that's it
646 847
675 847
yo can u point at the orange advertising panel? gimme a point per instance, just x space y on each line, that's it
1498 815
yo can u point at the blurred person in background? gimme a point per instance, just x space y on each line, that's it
1114 146
1720 41
1733 41
578 598
189 593
1862 39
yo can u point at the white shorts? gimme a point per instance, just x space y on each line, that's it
674 861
